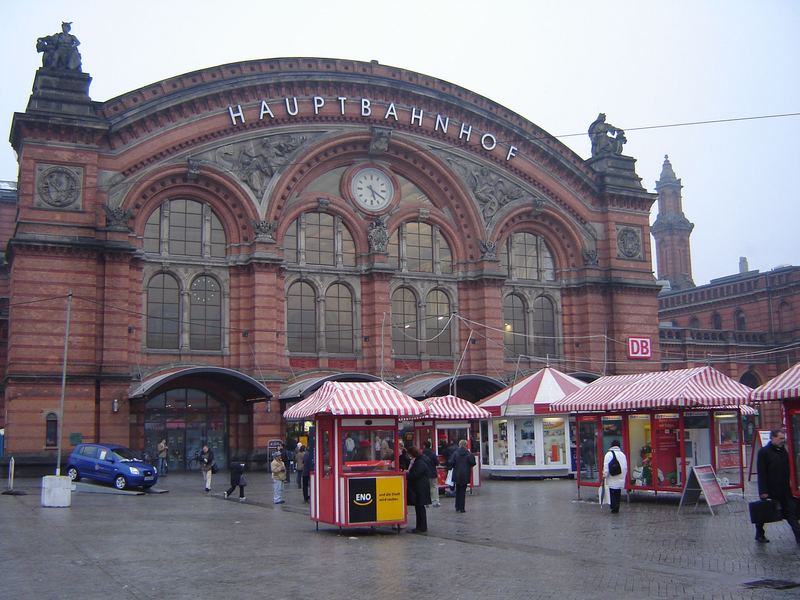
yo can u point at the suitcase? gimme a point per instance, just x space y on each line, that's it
765 511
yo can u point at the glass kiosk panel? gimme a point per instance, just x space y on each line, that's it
553 436
587 433
640 461
794 423
368 449
728 447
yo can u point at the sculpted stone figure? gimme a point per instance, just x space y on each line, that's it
60 50
606 139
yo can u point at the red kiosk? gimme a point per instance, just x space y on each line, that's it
786 389
667 422
446 420
356 480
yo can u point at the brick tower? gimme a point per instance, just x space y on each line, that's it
671 232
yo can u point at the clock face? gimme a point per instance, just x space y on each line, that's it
372 189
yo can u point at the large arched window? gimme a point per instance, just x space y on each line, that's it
437 324
205 314
694 323
544 327
163 312
418 247
301 318
317 238
404 323
716 322
339 332
526 256
184 227
514 329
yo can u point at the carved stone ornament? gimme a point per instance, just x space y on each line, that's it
488 250
629 242
606 139
60 50
491 190
117 218
264 231
590 258
58 187
255 162
378 236
380 140
192 169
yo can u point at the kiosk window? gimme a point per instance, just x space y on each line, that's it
368 449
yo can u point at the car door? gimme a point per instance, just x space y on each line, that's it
86 462
105 466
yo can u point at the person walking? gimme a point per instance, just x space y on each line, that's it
238 478
615 470
461 461
418 489
299 463
773 482
207 466
433 475
278 477
163 449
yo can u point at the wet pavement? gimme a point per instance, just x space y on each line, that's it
518 539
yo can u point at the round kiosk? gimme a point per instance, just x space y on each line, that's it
356 479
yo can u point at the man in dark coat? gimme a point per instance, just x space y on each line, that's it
418 492
773 482
461 461
433 462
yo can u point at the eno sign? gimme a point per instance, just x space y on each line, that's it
639 347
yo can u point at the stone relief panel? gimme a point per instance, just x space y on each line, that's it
629 242
256 161
58 187
490 189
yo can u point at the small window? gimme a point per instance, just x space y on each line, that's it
51 430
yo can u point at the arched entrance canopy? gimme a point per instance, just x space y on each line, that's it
305 387
469 387
250 389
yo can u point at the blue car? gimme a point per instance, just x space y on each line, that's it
110 463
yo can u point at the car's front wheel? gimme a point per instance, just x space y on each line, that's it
72 473
120 483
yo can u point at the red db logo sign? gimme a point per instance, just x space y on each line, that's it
639 347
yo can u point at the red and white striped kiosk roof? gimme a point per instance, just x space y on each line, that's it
783 387
452 407
684 388
533 395
374 399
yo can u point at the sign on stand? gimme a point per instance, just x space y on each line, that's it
703 480
760 439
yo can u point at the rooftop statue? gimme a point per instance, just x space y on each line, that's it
60 50
606 139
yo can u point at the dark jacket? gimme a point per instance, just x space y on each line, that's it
308 463
773 472
404 460
432 462
206 460
418 491
461 461
237 470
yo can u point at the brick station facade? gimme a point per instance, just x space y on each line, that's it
233 231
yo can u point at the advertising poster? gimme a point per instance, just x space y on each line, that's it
376 500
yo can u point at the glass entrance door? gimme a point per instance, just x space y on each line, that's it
588 428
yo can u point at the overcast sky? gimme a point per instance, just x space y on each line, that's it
557 63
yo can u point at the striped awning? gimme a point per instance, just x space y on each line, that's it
533 395
783 387
453 408
373 399
684 388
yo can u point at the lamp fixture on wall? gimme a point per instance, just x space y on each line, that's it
268 402
115 405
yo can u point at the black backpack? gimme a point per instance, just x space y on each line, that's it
614 468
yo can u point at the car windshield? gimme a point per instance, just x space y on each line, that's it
125 454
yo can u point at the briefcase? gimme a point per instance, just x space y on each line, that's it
765 511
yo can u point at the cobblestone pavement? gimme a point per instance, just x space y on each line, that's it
518 539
